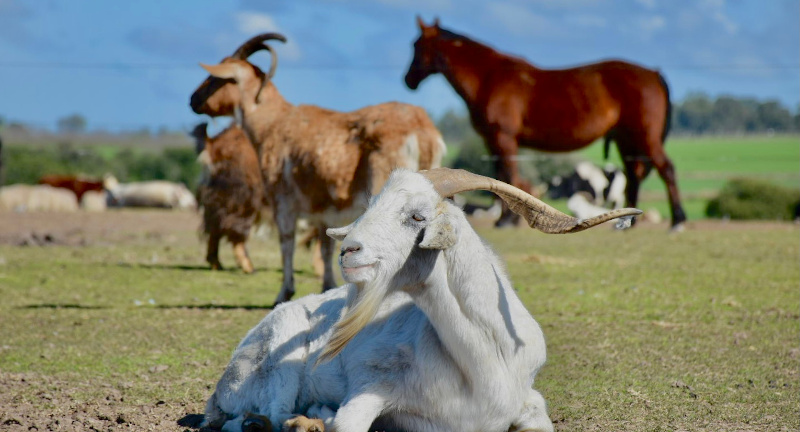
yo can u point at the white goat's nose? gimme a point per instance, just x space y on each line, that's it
350 246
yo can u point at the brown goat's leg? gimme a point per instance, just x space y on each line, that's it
326 246
212 253
286 219
242 258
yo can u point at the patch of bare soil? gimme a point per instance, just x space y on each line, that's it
53 408
84 228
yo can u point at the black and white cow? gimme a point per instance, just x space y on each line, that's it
606 186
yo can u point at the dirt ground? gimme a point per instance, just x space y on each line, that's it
81 228
59 410
85 228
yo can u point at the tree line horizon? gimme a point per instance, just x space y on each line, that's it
697 114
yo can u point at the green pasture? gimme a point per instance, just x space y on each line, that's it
705 164
646 331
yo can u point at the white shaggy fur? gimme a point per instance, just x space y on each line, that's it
427 336
33 198
154 193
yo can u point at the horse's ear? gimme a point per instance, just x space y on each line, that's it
420 23
436 22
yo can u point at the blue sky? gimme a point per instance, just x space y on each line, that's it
133 64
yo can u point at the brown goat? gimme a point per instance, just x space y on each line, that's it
232 195
77 185
315 162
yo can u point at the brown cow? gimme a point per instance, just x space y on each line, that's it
78 185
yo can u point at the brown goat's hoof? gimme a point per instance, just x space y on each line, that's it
216 266
248 268
303 424
256 423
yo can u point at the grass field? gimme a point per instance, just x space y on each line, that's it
119 326
704 164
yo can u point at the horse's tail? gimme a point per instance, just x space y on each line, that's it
668 120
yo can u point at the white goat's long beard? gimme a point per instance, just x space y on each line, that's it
369 300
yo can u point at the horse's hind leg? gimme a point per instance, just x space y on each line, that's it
667 172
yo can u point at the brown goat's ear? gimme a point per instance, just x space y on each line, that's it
223 70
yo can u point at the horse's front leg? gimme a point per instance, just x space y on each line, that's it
504 148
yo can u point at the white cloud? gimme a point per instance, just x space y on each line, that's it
651 24
517 19
716 10
252 23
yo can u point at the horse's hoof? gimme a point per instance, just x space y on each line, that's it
677 228
256 424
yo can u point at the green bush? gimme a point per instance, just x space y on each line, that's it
26 164
744 198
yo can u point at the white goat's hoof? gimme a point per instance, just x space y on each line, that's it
303 424
256 423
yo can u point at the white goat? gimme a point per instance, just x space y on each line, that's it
154 193
30 198
428 335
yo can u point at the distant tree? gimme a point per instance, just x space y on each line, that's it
455 127
730 115
694 114
699 114
774 117
74 123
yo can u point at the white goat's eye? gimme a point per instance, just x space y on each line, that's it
417 217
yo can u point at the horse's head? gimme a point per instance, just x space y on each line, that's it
426 58
219 96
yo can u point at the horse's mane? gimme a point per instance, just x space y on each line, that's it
448 35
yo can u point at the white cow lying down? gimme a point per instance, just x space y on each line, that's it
428 335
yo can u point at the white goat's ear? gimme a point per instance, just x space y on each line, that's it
339 233
440 233
223 70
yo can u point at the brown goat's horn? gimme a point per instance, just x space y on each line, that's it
256 43
539 215
272 66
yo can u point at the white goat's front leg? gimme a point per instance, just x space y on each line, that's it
534 416
286 219
327 245
358 413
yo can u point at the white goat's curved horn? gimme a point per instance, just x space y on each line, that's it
539 215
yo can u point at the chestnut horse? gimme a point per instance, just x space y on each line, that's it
512 103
